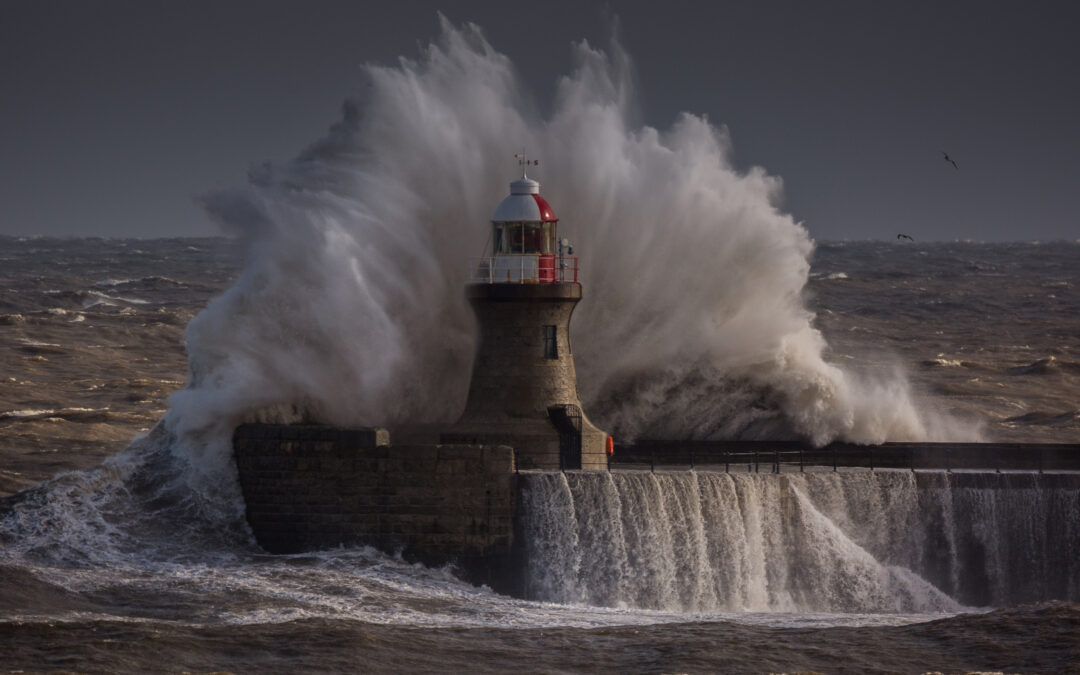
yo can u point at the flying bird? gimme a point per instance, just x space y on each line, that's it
903 236
950 160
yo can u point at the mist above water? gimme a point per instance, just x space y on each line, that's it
350 304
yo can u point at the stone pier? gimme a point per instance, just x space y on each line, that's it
314 487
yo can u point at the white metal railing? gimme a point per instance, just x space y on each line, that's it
524 269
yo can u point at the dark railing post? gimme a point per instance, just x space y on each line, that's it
1040 460
870 454
652 460
834 459
757 463
691 458
776 463
911 458
801 468
727 462
948 461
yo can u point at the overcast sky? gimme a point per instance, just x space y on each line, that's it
113 115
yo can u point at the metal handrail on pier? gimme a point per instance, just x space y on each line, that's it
731 456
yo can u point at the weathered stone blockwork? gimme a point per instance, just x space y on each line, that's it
312 487
514 383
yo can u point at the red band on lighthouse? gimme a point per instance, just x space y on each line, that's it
546 214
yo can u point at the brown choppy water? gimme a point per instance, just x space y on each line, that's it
115 568
1030 639
987 331
92 343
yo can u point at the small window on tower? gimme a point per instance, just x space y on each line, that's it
551 345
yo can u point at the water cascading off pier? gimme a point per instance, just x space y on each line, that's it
886 541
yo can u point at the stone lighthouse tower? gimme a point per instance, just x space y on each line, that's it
524 387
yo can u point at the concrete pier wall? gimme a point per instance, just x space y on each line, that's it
312 487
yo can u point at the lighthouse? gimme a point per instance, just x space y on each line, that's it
524 391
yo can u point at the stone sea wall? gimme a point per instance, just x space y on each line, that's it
312 487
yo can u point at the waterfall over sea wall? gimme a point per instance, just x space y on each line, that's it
885 541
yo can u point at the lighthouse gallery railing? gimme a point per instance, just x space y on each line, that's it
524 269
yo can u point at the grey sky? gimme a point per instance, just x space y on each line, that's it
114 114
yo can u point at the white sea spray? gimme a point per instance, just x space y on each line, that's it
350 302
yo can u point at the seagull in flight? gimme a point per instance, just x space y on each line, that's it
903 236
950 160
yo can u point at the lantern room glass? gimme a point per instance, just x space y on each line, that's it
524 238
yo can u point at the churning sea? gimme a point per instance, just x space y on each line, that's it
113 559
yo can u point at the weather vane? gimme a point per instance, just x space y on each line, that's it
524 161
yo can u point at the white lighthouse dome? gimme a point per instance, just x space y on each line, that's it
525 186
524 205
